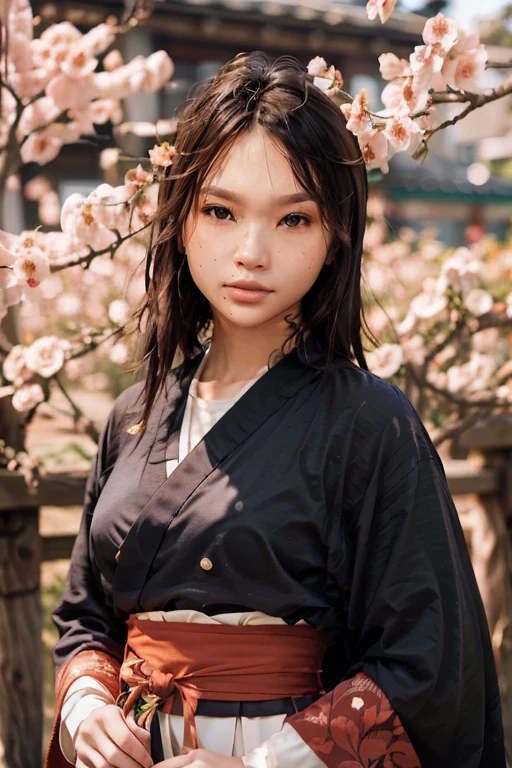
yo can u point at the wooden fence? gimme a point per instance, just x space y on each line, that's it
22 549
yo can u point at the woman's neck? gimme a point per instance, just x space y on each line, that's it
237 354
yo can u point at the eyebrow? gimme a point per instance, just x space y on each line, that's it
298 197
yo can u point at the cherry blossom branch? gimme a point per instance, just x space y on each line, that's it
490 320
499 64
82 423
86 260
442 434
476 100
474 401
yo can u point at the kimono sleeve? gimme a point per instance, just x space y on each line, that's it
85 618
416 642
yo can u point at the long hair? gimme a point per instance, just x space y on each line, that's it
326 161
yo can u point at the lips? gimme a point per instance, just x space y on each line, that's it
248 285
247 291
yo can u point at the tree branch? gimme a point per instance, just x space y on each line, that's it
476 100
86 260
438 436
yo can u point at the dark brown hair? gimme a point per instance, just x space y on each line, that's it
326 160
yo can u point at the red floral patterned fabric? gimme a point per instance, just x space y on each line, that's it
95 663
354 726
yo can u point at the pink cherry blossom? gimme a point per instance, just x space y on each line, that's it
374 147
97 112
10 291
78 64
18 15
81 219
46 356
43 56
328 79
98 39
158 70
113 60
386 360
504 393
62 34
399 130
470 66
428 305
29 84
27 397
7 245
474 375
426 61
119 311
137 177
41 148
460 272
317 66
440 31
382 8
479 301
32 267
123 81
20 53
102 110
391 66
110 207
37 114
413 349
15 368
119 353
405 93
67 93
162 154
356 114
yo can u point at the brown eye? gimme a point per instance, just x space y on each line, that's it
294 220
218 212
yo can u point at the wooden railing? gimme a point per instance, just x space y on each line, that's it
22 549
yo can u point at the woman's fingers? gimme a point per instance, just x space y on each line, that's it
115 755
118 730
91 758
175 762
140 733
202 758
107 732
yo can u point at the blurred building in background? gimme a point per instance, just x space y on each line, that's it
458 185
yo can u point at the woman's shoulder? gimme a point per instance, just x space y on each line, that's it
362 388
382 411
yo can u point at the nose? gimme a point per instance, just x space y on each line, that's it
253 250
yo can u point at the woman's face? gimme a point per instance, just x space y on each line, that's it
256 243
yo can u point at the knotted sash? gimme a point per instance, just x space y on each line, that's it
217 662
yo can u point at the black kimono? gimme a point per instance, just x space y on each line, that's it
317 496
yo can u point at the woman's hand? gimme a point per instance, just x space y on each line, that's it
202 758
108 739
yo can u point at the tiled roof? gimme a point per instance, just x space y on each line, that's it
329 11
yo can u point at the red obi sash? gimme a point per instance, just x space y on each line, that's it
218 662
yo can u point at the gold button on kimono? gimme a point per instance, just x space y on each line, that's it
206 564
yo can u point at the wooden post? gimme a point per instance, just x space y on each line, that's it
21 689
493 439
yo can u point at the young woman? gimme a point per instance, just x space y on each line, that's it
270 571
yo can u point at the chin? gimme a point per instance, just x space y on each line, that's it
244 317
